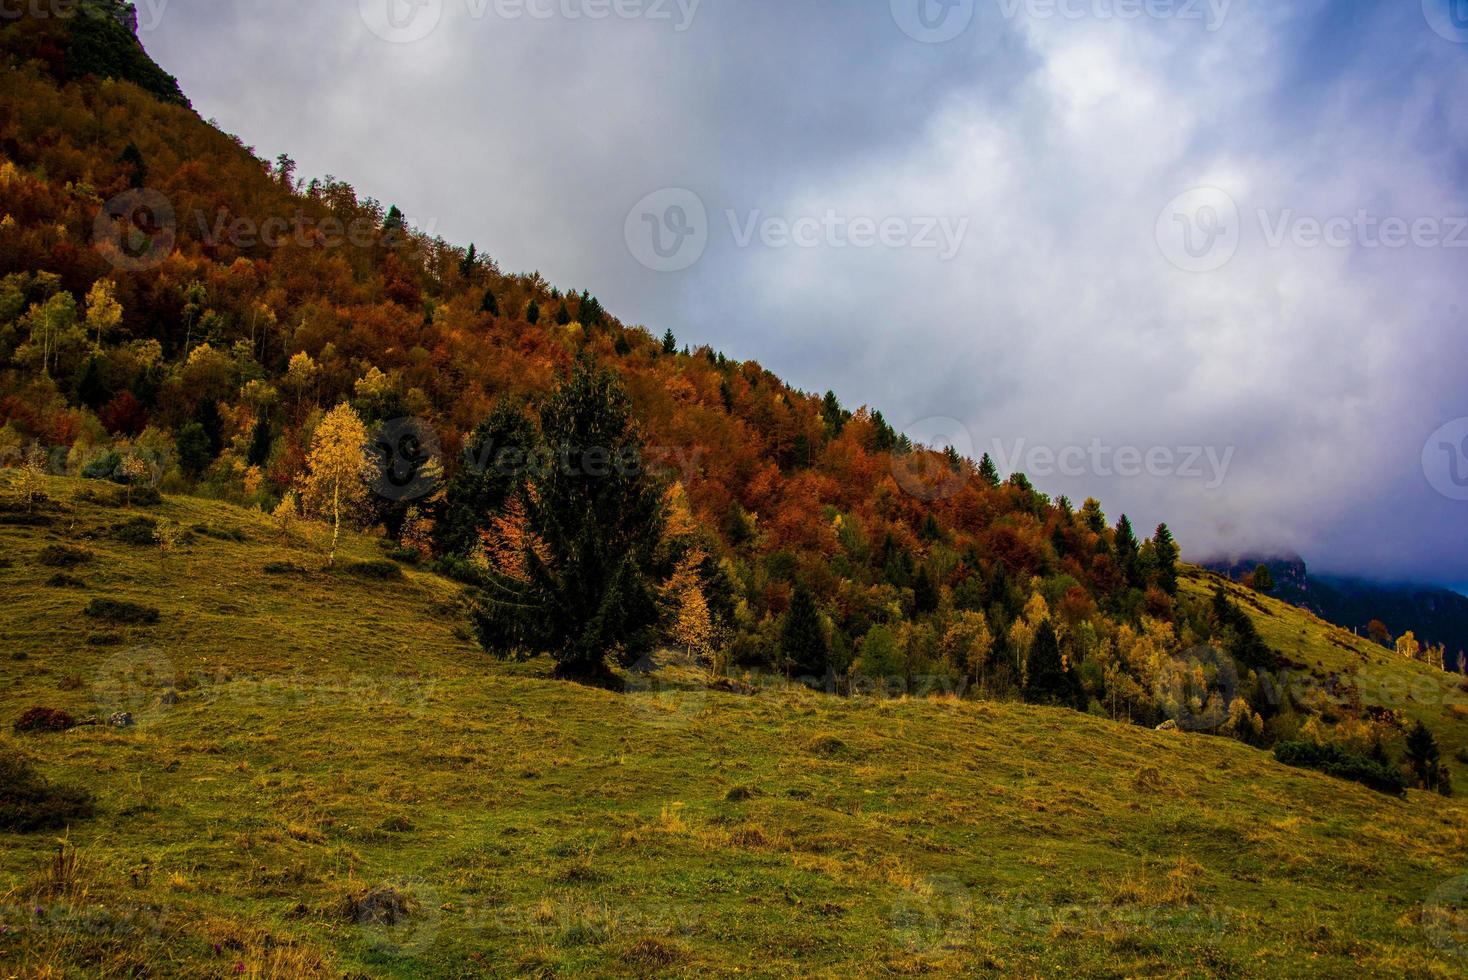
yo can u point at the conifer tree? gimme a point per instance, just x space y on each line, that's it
802 639
1166 553
532 313
1047 681
1128 552
490 305
988 472
491 471
563 315
595 517
1423 756
670 343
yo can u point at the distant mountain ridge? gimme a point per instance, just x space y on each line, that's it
1435 615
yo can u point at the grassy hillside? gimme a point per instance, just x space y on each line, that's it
336 739
1437 699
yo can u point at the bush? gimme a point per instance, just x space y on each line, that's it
138 531
283 568
1335 761
117 611
44 720
60 556
63 581
220 534
381 570
29 803
105 467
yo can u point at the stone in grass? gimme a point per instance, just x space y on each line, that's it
380 906
121 719
170 698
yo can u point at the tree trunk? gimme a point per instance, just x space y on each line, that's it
336 530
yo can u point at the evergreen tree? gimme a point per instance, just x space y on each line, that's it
833 415
1092 516
532 313
593 520
670 343
883 436
1166 554
470 262
924 593
491 471
988 472
259 452
1423 756
1047 681
132 158
802 639
563 315
1262 579
591 311
192 444
1128 552
490 305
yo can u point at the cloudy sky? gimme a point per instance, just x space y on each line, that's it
1205 259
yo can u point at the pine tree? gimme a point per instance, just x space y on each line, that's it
670 343
802 638
563 315
1166 554
490 305
1047 681
595 517
490 473
924 593
1262 579
988 472
1423 756
833 415
532 313
1128 552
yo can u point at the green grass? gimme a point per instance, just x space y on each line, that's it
1423 693
338 735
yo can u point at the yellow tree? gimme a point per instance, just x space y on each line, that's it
694 628
337 469
1408 646
104 312
968 644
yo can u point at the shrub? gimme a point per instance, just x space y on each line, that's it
60 556
44 720
283 568
63 581
381 570
117 611
1335 761
29 803
139 531
220 534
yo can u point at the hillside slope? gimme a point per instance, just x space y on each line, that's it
334 734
